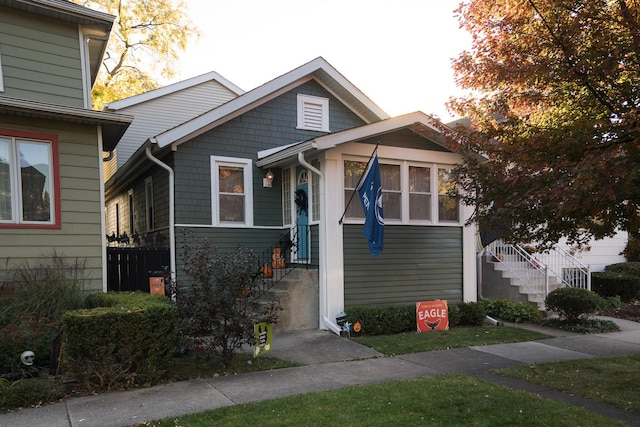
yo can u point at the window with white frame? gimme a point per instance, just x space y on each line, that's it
286 197
448 209
232 191
315 195
148 204
407 192
313 113
29 193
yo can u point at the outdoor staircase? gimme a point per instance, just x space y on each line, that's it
298 295
530 277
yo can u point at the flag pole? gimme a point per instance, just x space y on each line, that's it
359 182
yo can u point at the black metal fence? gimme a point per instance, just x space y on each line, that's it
129 269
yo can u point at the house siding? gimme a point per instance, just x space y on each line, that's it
418 264
81 231
269 125
40 59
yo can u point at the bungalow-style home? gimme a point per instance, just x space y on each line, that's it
274 169
51 141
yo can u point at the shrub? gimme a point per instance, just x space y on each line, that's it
383 320
129 342
32 334
613 283
29 392
470 314
511 311
607 303
220 305
46 290
572 303
632 268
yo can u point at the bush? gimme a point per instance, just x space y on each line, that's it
572 303
510 311
29 392
220 305
614 283
468 314
32 334
129 342
632 268
46 290
383 320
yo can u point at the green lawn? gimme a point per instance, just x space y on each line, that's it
612 380
449 400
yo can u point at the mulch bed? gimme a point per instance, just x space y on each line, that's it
628 311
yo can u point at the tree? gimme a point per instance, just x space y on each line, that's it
146 41
554 108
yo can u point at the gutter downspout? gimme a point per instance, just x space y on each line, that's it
323 303
172 220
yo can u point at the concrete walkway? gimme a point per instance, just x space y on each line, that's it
333 362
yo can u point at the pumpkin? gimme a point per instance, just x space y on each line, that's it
267 271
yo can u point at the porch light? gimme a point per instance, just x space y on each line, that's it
268 179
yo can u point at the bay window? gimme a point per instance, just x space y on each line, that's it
411 192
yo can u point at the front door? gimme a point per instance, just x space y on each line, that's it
302 213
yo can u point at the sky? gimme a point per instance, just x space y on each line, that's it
398 52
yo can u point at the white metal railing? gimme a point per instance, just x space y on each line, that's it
537 271
567 268
524 268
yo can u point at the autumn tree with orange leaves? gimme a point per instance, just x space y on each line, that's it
554 107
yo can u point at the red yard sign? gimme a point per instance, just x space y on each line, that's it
156 285
432 316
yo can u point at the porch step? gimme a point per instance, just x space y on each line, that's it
298 295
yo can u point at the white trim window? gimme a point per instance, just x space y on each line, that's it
313 113
28 182
231 191
287 197
408 189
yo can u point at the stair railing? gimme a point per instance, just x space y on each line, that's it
567 268
527 270
279 259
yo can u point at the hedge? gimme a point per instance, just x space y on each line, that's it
127 339
611 284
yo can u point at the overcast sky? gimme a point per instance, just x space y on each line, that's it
398 52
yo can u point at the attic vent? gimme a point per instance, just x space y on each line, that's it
313 113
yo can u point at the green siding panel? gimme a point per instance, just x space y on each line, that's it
40 58
417 264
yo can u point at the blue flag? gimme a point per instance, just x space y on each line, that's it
370 191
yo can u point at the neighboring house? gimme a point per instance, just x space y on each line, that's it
161 109
154 112
51 142
285 158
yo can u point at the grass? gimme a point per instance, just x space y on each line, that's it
612 380
425 401
193 366
414 342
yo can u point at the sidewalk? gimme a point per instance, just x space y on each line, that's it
333 362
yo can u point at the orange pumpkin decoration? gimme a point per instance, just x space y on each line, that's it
267 271
278 259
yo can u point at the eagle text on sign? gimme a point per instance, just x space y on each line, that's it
432 315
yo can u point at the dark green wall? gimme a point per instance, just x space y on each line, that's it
270 125
417 264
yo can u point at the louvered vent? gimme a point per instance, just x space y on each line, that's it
313 113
